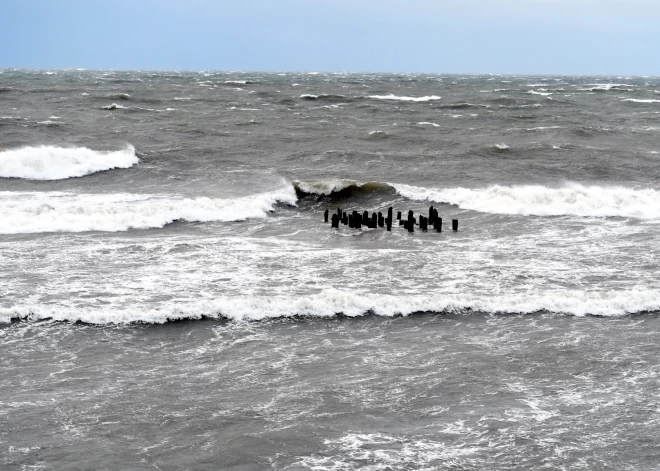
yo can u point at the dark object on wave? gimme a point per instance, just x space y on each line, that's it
374 221
358 220
438 224
381 219
388 223
325 216
431 215
454 225
398 215
365 217
335 221
423 223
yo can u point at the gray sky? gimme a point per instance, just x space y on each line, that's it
605 37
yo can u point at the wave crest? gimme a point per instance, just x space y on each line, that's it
58 163
537 200
332 302
338 187
34 212
394 97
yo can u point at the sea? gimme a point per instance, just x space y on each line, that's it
171 297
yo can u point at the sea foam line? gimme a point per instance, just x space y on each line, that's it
332 302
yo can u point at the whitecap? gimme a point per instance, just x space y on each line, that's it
572 199
391 96
34 212
57 163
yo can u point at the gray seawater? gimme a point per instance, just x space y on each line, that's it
170 297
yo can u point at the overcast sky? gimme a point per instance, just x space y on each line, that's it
605 37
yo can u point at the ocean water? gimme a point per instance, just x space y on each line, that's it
171 298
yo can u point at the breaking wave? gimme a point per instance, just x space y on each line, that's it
57 163
34 212
573 199
332 302
639 100
340 188
323 97
391 96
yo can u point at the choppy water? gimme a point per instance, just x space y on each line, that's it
130 200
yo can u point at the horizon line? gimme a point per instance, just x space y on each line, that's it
314 72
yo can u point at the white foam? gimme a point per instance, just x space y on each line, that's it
606 87
572 199
636 100
57 163
331 302
391 96
427 123
114 106
534 92
33 212
237 82
501 146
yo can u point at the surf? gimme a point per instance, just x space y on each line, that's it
59 163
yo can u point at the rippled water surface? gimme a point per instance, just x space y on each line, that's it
170 297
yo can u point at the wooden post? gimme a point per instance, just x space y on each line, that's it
398 215
335 221
388 223
438 224
454 225
325 216
381 220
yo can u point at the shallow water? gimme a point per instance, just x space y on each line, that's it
463 391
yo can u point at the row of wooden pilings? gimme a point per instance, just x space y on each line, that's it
356 220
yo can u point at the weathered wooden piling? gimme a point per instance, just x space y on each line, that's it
388 223
438 224
431 215
423 223
402 223
335 221
398 215
381 220
325 215
454 225
389 212
411 225
374 221
358 221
